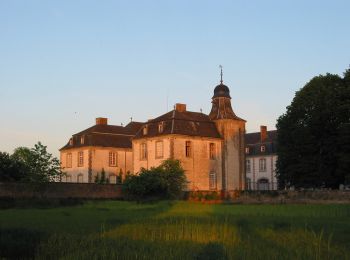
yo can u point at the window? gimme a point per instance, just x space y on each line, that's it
145 130
80 178
247 150
112 159
68 178
247 163
212 181
262 165
80 159
262 148
188 148
82 140
159 149
248 184
71 141
143 151
161 127
69 160
212 151
113 179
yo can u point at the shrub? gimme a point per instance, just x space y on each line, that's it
166 181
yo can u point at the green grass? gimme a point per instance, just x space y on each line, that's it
176 230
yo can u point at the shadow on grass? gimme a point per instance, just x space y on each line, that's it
19 243
9 203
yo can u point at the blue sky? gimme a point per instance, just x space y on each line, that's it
63 63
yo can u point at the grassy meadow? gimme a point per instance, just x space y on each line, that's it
175 230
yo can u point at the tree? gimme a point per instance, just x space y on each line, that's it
311 145
11 169
166 181
30 165
101 179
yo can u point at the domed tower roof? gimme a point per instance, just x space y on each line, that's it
221 103
221 90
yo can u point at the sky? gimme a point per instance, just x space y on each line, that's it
64 63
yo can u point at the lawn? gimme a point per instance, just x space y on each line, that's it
176 230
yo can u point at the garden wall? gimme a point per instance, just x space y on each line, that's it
60 190
272 197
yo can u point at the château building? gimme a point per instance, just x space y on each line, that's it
211 148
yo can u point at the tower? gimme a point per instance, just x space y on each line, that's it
232 130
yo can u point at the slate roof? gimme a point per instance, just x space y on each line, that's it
182 123
105 136
253 142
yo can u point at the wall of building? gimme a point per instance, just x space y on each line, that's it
233 152
255 174
75 171
95 158
100 159
151 160
197 167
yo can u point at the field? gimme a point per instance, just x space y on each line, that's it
175 230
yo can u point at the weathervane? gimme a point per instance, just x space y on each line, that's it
221 73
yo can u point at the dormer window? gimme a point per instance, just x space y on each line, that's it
161 127
71 141
262 148
82 140
247 150
145 130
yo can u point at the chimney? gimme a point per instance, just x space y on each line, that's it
180 107
263 133
101 121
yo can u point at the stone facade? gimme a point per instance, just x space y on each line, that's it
261 160
210 147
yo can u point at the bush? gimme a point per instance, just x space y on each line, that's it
166 181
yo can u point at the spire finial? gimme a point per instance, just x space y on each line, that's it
221 73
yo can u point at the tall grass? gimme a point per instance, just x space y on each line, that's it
184 230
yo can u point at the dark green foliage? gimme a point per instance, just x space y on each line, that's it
101 179
19 243
30 165
313 135
166 181
11 169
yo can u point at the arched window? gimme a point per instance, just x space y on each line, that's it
68 178
263 184
212 180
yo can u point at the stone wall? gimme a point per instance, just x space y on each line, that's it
60 190
271 197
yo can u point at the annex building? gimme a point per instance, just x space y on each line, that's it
214 149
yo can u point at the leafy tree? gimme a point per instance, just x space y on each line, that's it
11 169
101 179
36 164
312 134
166 181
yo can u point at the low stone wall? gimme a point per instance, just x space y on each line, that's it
59 190
271 197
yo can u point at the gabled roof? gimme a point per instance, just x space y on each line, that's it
182 123
105 136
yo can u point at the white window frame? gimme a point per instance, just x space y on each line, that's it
80 158
159 149
69 160
247 165
113 159
262 165
212 180
212 151
143 151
